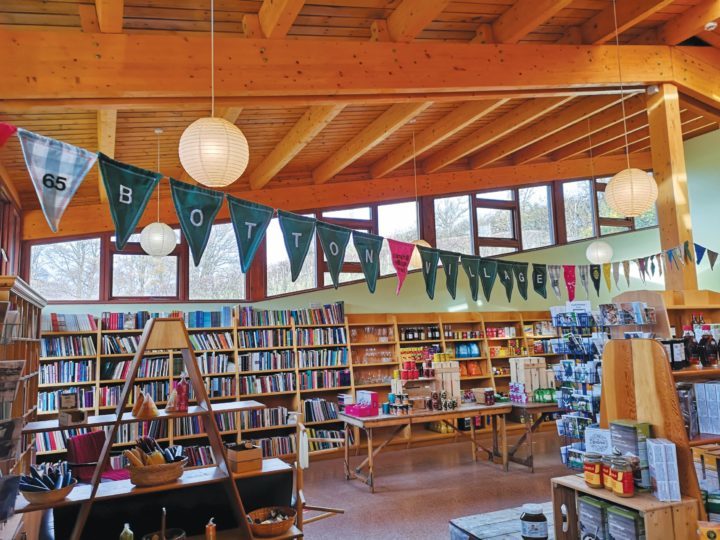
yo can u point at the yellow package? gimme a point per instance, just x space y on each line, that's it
708 530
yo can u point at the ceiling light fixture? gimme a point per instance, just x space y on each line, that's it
158 239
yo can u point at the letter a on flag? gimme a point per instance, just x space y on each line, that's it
57 169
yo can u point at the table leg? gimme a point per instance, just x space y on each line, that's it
503 441
473 441
530 428
494 422
347 452
371 481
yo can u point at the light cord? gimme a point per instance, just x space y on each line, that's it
212 58
157 132
622 102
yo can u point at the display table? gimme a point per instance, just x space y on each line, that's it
500 525
495 412
525 412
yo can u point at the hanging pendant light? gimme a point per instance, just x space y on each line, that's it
632 191
415 259
158 239
213 151
599 252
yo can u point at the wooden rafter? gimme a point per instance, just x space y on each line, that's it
518 117
634 105
106 133
557 122
305 130
88 18
411 17
110 15
95 218
457 120
641 139
523 17
278 16
379 130
699 108
687 24
601 27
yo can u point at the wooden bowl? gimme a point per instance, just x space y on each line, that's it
48 497
271 529
156 475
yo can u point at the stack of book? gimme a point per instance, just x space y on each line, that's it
214 340
120 344
319 410
256 317
327 314
264 384
67 322
253 339
67 346
67 372
276 446
313 379
320 336
323 357
274 416
266 360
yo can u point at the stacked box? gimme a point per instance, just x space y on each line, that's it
705 463
531 372
624 524
688 409
592 515
448 375
662 460
629 437
707 397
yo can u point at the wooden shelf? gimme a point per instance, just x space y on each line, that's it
372 385
475 377
139 379
46 333
326 325
471 358
283 393
329 389
422 342
376 364
256 349
122 331
267 428
265 371
322 346
56 358
202 351
211 329
503 338
696 373
316 368
323 422
264 327
530 336
373 343
705 438
463 340
66 384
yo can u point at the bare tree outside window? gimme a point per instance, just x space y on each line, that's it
278 264
143 275
452 224
398 221
66 270
579 219
218 276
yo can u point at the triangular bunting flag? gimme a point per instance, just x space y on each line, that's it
661 262
616 274
250 221
429 258
554 272
584 273
679 256
6 131
626 271
471 265
699 253
128 189
56 169
641 264
670 253
539 277
652 266
488 272
505 276
687 254
712 257
400 254
298 234
606 269
368 248
569 273
595 277
334 240
196 208
520 269
450 262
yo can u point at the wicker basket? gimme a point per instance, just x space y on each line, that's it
271 529
48 497
156 475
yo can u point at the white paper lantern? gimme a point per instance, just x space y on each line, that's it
631 192
158 239
599 252
213 151
415 259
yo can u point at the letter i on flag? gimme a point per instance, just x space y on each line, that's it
368 248
196 208
450 262
250 222
471 265
57 169
298 233
400 253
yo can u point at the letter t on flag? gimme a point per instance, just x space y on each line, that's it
298 233
250 221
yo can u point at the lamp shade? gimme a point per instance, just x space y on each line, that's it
631 192
415 259
599 252
158 239
213 151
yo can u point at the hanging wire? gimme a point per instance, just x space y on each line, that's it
158 132
592 165
414 167
622 102
212 58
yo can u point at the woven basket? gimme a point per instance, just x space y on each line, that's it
156 475
48 497
271 529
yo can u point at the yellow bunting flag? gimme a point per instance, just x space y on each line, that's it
606 273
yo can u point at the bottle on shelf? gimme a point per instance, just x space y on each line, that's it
707 348
691 348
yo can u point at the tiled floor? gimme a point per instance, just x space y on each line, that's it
419 490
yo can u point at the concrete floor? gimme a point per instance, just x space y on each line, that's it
419 490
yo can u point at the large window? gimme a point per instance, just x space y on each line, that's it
611 222
278 265
139 276
536 220
218 275
398 221
496 223
579 214
358 219
66 270
453 229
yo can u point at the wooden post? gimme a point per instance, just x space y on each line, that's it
668 160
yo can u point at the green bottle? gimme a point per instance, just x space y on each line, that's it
126 533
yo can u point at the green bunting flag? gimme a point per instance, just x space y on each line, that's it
595 277
250 221
539 278
298 234
429 258
488 272
334 240
450 262
128 190
505 275
471 265
368 248
196 208
520 269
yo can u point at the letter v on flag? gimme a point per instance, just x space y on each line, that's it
429 258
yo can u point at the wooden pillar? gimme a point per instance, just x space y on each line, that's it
668 160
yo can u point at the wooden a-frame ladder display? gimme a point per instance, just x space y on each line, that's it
164 335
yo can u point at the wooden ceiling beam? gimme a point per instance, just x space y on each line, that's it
305 130
9 186
278 16
110 15
601 27
692 128
79 219
380 129
581 110
634 105
518 117
687 24
411 17
457 120
523 17
231 114
88 18
106 133
700 108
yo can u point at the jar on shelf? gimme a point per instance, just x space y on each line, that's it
592 470
621 472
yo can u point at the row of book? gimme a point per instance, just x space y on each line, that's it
226 421
266 360
113 370
252 339
120 344
56 440
324 379
212 340
327 314
209 319
128 433
319 410
67 346
323 357
249 316
320 336
68 322
276 446
263 384
215 363
220 386
199 456
314 446
270 417
67 372
188 425
48 401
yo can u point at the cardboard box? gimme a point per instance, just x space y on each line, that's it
242 461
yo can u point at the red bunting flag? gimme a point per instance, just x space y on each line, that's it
400 253
569 271
6 131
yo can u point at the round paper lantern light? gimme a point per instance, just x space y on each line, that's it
599 252
631 192
416 260
213 151
158 239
